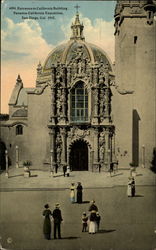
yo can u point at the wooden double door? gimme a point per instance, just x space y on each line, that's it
78 158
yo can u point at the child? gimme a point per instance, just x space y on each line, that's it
98 218
84 222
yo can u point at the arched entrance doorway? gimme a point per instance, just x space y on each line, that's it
78 158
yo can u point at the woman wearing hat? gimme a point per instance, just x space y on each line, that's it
47 223
57 220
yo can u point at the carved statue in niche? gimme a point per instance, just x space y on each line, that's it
102 146
96 96
79 67
58 78
58 148
58 152
101 78
101 153
102 139
59 102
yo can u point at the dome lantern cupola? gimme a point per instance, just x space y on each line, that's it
77 28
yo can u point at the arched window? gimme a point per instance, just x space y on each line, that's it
79 103
19 130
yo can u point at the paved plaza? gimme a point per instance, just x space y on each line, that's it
44 180
126 224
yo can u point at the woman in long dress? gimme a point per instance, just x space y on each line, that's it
79 192
72 193
133 187
92 222
47 222
129 188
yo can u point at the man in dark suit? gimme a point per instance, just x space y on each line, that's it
57 220
64 170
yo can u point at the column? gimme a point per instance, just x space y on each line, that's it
95 117
64 104
52 118
51 162
113 147
64 143
107 148
96 146
107 115
7 164
17 156
64 99
52 150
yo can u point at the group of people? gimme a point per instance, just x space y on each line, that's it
131 187
57 219
92 221
76 197
66 170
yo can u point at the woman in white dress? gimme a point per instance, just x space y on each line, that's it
129 187
92 222
72 193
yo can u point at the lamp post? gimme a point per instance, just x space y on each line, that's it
143 156
6 162
17 157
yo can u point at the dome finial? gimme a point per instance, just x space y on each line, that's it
77 27
77 7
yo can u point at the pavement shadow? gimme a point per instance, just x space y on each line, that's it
103 231
33 175
16 175
139 174
70 238
117 174
83 202
138 195
58 175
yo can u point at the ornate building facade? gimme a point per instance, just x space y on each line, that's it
74 127
84 111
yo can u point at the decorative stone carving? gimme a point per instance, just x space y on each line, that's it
102 104
101 153
39 90
101 78
124 91
76 133
58 148
58 78
59 102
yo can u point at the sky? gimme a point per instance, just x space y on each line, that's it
29 34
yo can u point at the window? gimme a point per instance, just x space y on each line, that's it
19 130
79 103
